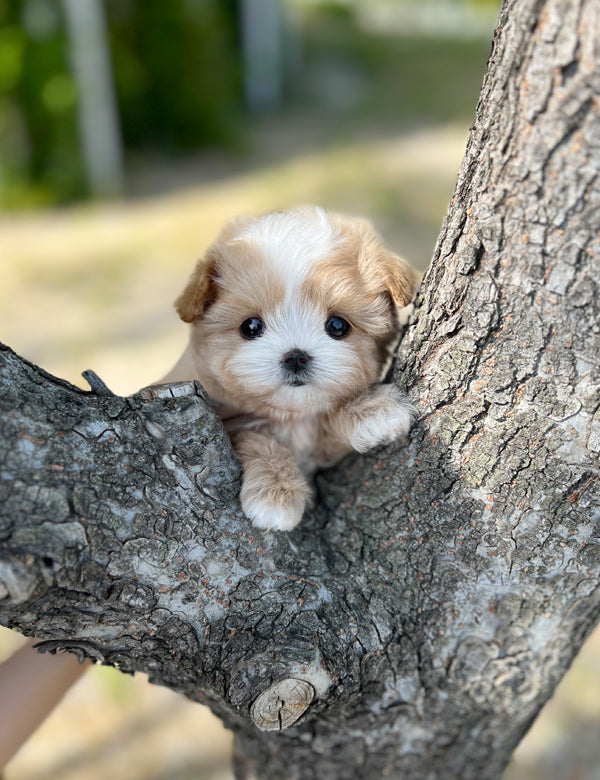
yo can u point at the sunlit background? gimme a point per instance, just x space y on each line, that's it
130 130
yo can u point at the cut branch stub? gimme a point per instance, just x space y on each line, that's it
282 704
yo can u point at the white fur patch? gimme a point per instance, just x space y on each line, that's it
270 516
392 421
292 241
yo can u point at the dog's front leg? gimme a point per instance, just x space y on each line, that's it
381 414
274 492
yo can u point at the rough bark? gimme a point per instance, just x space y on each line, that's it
428 605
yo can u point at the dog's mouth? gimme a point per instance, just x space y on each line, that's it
296 382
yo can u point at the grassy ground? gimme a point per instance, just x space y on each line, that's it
377 127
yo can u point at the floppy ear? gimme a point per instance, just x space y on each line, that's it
380 266
400 278
200 291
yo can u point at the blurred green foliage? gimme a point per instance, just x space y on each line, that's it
176 69
38 125
398 79
176 76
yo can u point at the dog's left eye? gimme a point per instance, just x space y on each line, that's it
337 327
252 328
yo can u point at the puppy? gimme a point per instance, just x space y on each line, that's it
294 318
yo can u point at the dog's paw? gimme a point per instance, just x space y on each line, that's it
384 416
274 492
279 511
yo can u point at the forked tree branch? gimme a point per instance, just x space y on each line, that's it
428 604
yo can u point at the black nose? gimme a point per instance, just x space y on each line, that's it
296 361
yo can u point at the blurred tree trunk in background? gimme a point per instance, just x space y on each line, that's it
429 603
172 67
98 112
262 47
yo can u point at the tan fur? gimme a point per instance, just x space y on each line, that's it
381 269
271 476
282 432
199 291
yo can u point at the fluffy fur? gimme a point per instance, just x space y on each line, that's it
269 305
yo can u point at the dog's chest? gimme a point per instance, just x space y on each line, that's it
313 446
301 438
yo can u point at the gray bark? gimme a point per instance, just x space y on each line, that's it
429 603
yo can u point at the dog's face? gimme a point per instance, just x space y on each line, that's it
294 313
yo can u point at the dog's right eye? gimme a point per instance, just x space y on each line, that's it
252 328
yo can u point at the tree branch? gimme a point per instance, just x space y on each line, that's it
428 604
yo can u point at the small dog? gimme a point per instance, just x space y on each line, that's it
294 319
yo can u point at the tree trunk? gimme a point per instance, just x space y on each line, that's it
427 606
99 127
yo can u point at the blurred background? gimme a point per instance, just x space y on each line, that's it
130 130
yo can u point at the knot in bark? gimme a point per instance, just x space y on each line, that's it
282 704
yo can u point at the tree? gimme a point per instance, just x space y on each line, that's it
427 606
98 112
